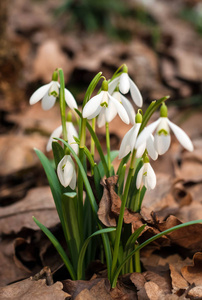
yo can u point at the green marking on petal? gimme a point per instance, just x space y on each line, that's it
63 167
54 93
145 174
163 131
104 104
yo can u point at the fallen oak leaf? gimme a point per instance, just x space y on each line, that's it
178 282
30 289
193 274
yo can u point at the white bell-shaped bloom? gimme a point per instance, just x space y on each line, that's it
71 132
149 146
106 108
129 140
162 135
125 84
66 172
146 177
48 93
126 104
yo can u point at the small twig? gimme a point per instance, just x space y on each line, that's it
44 273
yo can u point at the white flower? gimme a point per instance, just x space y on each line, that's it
66 172
106 107
49 93
71 132
125 85
146 177
162 136
129 140
126 104
149 146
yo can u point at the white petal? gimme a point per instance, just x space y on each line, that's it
129 109
112 85
48 102
125 147
111 111
38 94
92 105
102 117
135 134
96 113
72 183
181 136
139 177
124 84
121 110
135 94
55 134
71 102
162 143
71 132
150 147
151 177
65 173
141 150
144 135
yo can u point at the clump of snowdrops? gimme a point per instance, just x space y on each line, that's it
86 234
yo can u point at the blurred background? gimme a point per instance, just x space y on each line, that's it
161 43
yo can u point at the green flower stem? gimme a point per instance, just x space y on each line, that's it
92 147
120 221
80 178
137 260
62 104
108 145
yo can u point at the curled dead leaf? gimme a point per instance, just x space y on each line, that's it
193 274
29 289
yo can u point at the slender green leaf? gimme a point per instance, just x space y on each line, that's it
71 225
91 88
123 162
53 182
58 247
116 274
85 245
58 152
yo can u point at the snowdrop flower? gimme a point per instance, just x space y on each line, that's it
71 132
146 177
105 107
125 85
48 93
129 140
66 172
162 135
149 146
126 104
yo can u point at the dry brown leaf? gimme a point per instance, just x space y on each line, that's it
9 271
50 56
38 202
153 291
178 282
29 289
85 295
196 292
193 274
16 152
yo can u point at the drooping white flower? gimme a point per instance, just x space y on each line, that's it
129 140
48 93
71 132
66 172
162 138
126 104
105 107
149 146
146 177
125 84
